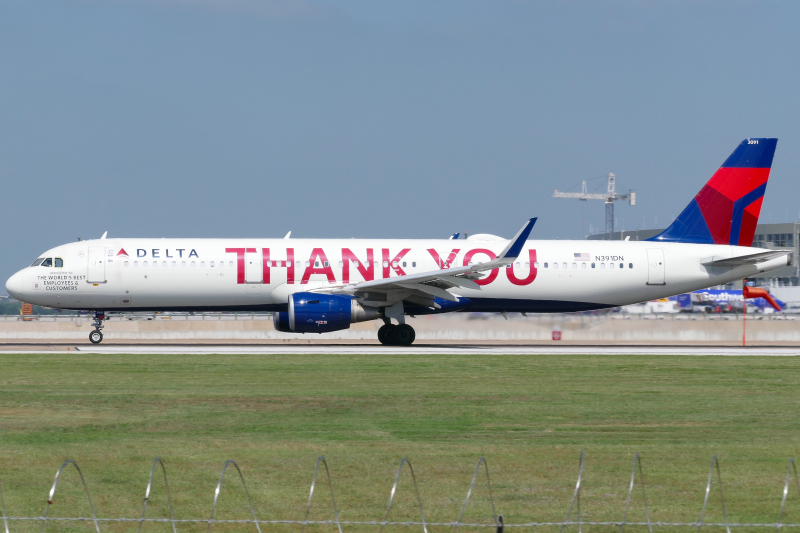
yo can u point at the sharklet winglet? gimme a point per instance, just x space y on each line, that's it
514 247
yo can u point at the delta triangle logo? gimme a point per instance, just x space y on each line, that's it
122 252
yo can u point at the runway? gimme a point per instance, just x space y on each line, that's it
421 349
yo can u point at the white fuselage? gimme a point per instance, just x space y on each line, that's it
260 274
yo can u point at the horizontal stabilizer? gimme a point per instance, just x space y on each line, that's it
746 259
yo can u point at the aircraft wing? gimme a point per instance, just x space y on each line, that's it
423 287
759 257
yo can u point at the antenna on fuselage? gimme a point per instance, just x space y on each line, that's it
104 236
288 235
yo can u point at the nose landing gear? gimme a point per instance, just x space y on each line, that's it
96 336
396 335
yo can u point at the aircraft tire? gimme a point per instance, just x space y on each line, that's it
405 335
391 335
382 334
96 336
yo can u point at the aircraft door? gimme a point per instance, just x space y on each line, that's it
655 266
96 273
253 271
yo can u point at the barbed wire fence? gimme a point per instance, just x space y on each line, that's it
572 518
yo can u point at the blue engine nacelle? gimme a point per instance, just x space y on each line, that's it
281 321
321 313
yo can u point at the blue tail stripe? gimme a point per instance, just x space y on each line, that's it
690 226
757 155
738 211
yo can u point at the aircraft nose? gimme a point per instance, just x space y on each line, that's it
15 285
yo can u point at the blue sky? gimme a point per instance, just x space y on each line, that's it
222 118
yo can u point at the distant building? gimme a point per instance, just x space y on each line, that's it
775 236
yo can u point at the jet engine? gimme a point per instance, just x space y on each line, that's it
321 313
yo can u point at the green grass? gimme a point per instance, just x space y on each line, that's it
529 415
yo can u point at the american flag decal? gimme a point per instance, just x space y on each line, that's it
581 257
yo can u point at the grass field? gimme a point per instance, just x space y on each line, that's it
529 415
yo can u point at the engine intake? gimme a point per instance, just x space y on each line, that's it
321 313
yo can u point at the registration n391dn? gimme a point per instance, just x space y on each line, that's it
323 285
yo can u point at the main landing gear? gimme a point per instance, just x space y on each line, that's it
396 335
96 336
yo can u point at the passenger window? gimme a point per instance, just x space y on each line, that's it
211 264
230 264
202 264
413 263
47 262
404 264
394 264
341 264
144 264
164 264
386 264
622 265
510 265
126 263
174 264
630 265
583 266
326 263
308 263
555 265
564 265
602 265
183 263
193 264
136 264
316 263
611 266
592 265
59 262
536 264
574 265
545 265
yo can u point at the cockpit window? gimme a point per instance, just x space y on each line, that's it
59 262
48 262
38 262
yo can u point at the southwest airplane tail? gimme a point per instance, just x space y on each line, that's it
726 209
324 285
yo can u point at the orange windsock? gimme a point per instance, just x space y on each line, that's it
750 292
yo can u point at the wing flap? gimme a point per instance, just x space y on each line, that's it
429 289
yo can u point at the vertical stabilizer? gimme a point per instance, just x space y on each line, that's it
726 209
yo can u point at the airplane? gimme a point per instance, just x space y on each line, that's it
324 285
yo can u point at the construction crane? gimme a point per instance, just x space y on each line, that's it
610 196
